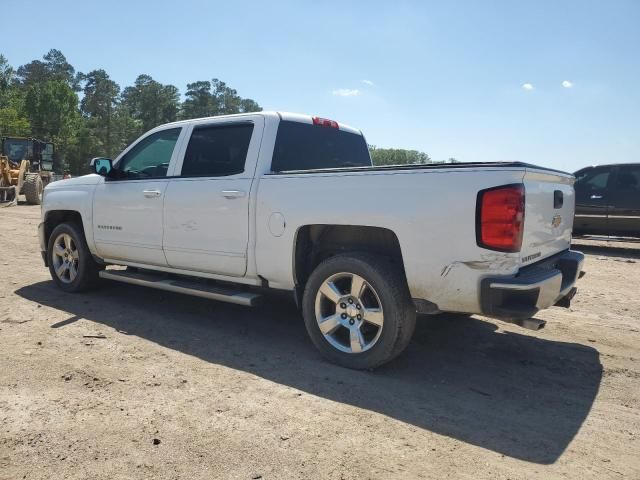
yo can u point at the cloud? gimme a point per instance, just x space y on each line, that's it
527 86
567 84
346 92
367 82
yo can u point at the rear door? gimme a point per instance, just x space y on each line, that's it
592 200
206 207
624 204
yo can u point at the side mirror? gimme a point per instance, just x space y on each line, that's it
101 166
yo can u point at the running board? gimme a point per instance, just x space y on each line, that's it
196 288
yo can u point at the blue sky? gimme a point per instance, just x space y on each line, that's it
443 77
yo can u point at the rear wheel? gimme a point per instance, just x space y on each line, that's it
71 265
358 311
33 188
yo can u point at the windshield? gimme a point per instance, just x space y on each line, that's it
18 149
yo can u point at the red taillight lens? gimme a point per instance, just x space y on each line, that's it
500 218
325 122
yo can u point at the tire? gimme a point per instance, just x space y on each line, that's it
33 188
80 272
383 312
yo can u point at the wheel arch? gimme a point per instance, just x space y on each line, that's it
53 218
316 242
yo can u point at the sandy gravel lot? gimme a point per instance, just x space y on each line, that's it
186 388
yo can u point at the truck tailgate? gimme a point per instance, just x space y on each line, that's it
548 218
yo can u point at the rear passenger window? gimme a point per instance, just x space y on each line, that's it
628 179
217 151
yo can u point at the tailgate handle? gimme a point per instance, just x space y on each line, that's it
558 199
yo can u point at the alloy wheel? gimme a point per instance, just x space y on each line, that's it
65 258
349 312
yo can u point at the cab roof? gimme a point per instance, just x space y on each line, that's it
288 116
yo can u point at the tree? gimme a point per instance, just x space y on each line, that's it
99 105
247 105
51 106
12 120
151 102
204 99
448 160
52 109
6 79
125 128
198 100
40 99
12 124
397 156
54 67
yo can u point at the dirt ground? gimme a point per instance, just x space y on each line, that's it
127 382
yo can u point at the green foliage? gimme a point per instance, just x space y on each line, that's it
98 106
206 98
397 156
12 124
198 100
54 67
41 99
51 107
151 102
13 121
6 79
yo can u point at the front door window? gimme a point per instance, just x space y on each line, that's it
150 157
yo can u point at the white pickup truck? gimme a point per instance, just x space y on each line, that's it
227 207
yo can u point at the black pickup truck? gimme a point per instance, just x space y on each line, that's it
608 200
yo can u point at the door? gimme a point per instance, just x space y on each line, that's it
127 209
206 208
591 200
624 206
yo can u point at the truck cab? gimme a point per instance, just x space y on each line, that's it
608 200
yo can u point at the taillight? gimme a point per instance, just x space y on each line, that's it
500 218
325 122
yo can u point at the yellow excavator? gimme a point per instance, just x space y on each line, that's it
26 167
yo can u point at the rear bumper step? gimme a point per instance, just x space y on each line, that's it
188 286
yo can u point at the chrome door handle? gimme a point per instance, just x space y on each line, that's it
233 193
151 193
596 197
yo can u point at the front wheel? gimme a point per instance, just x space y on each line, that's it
33 188
71 265
358 311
